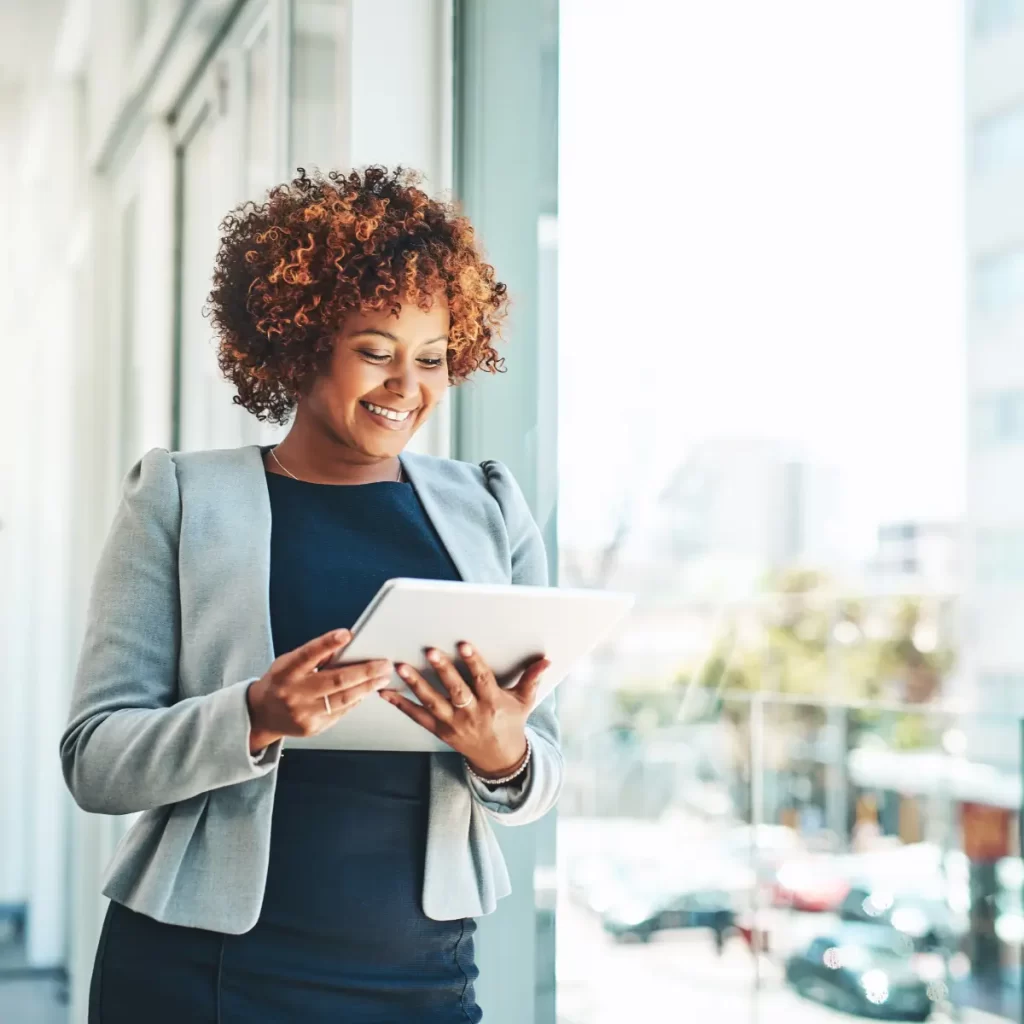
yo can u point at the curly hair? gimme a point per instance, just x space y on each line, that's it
289 270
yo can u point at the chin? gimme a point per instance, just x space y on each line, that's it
382 448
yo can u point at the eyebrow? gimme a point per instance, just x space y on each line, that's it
392 337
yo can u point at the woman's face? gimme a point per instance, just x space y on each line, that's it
386 376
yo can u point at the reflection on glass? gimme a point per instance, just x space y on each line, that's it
317 88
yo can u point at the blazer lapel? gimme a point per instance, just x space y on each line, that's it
458 515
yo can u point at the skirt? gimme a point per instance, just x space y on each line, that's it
341 938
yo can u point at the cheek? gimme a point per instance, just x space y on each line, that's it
436 386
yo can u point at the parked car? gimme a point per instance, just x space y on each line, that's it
638 917
812 884
868 970
926 920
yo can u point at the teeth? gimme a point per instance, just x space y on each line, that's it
387 413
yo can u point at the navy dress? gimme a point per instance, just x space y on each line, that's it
342 937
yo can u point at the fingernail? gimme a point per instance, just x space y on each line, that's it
466 650
404 671
381 683
341 634
433 656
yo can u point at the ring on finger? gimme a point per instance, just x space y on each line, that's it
327 703
465 703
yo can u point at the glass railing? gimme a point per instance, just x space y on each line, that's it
784 860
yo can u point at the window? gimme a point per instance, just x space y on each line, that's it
993 17
998 141
1003 690
317 95
998 418
999 555
999 281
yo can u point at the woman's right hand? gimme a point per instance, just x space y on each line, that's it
289 699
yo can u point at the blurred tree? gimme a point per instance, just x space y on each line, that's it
803 641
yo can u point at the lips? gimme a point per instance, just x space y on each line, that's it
395 415
393 419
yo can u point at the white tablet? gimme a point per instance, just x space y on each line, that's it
510 626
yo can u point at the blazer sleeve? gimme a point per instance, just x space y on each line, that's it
535 792
130 744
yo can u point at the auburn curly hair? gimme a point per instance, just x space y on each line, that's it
289 270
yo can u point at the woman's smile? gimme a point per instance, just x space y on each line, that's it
388 417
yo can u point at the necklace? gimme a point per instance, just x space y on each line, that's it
273 455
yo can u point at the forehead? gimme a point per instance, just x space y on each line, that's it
411 324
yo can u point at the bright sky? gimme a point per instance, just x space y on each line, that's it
760 232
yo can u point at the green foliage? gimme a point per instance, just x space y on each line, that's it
805 642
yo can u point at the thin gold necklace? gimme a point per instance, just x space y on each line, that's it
273 455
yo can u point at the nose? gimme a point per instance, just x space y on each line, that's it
403 383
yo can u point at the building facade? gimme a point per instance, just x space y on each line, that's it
992 676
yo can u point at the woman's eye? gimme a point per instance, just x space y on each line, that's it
377 357
432 362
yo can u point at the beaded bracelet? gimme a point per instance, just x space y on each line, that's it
508 778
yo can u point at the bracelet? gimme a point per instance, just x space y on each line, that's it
508 778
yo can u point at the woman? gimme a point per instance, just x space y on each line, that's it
313 886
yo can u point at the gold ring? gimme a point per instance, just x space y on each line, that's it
466 704
327 702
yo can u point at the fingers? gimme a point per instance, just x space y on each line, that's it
484 684
335 680
458 689
418 714
526 688
307 657
429 697
346 699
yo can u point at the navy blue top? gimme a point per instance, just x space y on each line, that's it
333 546
342 919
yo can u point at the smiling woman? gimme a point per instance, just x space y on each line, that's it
330 885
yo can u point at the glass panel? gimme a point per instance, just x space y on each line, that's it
993 17
738 749
259 136
317 94
999 282
506 175
129 362
999 141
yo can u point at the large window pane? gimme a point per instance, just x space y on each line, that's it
762 435
317 97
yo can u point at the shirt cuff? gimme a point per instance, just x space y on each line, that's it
504 798
268 756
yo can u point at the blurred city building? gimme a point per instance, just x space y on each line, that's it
916 558
992 680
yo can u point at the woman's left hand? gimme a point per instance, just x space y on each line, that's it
484 722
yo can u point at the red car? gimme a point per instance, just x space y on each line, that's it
816 885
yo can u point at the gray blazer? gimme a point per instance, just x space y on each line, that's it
179 626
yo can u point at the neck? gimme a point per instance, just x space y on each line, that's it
315 457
